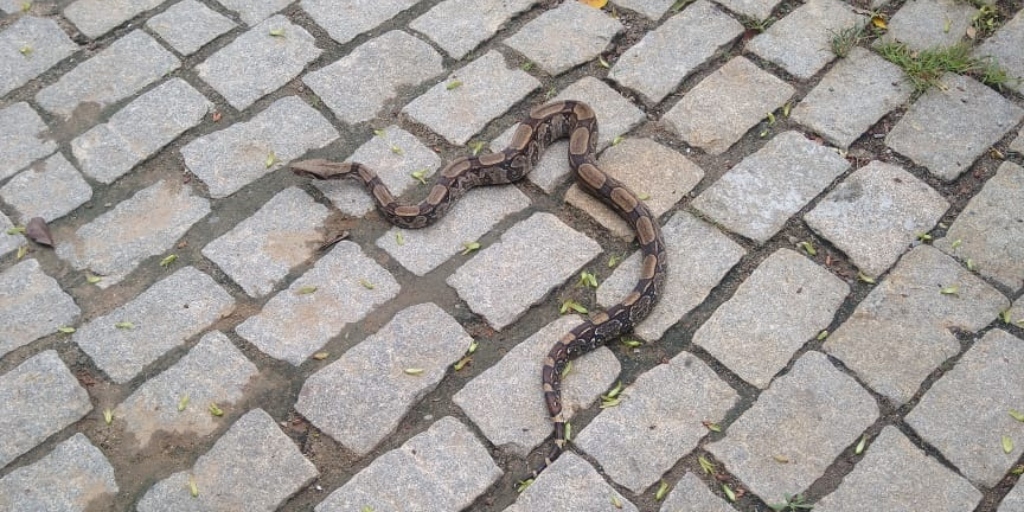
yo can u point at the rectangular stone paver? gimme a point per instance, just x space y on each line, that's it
158 320
188 25
423 250
565 37
259 61
213 371
346 19
881 482
359 399
122 69
513 270
9 242
757 196
990 230
806 418
1014 501
232 158
254 11
698 258
32 305
444 468
23 138
658 421
875 214
461 105
966 412
653 9
147 224
254 466
927 24
261 250
900 332
49 189
799 42
757 10
1004 47
723 106
95 17
804 300
37 399
67 480
28 47
507 401
960 109
459 26
357 86
296 322
656 65
692 495
570 484
853 96
394 154
140 129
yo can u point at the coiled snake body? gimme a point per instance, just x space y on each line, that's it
545 125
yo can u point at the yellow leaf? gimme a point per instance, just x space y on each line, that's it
596 4
879 21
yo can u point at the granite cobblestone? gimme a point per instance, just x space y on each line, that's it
50 189
28 48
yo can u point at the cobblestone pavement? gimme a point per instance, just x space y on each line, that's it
843 319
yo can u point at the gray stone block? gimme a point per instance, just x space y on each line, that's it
459 26
259 61
692 495
929 24
294 325
31 46
857 92
876 214
50 189
806 418
881 482
443 468
24 137
799 42
660 174
96 17
989 231
655 425
161 318
188 25
804 299
965 413
33 306
507 402
254 466
754 9
532 258
757 196
37 399
346 19
1004 47
488 89
570 484
214 371
422 250
232 158
693 271
1018 143
122 69
959 109
147 224
653 9
565 37
723 106
394 155
261 250
254 11
656 65
900 332
139 130
358 85
9 243
359 399
67 480
1014 501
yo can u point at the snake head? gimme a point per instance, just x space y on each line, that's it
320 169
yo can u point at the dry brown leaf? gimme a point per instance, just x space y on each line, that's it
37 231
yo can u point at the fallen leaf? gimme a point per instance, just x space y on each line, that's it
37 231
596 4
879 22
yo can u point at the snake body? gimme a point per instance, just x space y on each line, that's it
545 124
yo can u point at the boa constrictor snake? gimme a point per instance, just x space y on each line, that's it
545 125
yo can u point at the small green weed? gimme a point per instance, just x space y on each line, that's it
844 40
791 504
925 67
